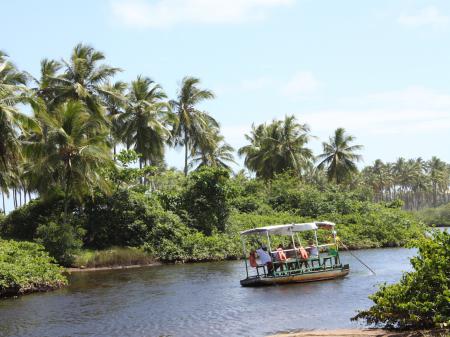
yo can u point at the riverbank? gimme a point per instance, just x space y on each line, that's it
26 268
76 270
364 333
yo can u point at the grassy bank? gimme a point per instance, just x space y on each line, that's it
113 257
439 216
25 267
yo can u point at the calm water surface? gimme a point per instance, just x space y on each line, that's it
197 300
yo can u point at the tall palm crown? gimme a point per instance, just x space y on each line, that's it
277 147
145 120
82 78
339 156
115 102
13 91
73 154
191 123
214 151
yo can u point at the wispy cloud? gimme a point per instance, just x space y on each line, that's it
300 85
168 13
413 110
428 16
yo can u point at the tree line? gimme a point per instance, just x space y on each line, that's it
81 118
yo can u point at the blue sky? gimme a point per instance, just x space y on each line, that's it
381 69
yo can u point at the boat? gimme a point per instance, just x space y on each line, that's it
325 264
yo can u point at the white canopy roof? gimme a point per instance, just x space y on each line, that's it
288 229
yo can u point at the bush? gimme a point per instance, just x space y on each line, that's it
25 267
21 224
206 199
62 241
125 218
422 297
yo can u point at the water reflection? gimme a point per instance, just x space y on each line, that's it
196 300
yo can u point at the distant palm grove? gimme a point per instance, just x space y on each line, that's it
81 118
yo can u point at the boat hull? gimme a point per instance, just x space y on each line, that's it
319 275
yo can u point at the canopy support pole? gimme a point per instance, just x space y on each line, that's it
315 238
245 254
268 241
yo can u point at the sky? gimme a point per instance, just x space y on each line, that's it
380 69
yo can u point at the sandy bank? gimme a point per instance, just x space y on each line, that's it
363 333
76 270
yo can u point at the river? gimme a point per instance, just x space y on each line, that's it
203 299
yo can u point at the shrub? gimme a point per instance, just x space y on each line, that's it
125 218
25 267
206 199
62 241
21 224
422 297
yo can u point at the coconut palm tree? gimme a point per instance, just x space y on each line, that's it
213 151
82 78
115 102
339 156
73 154
13 92
146 119
191 123
437 170
277 147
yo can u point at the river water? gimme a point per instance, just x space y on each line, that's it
203 299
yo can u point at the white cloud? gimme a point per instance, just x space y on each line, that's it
429 16
301 84
409 111
167 13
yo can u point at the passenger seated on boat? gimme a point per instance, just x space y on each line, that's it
312 249
252 259
280 257
290 252
303 254
264 258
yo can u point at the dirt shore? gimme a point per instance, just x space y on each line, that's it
76 270
363 333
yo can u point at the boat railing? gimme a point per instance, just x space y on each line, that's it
296 265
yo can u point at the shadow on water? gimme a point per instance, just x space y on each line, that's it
203 299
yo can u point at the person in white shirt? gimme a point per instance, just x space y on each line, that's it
264 258
312 249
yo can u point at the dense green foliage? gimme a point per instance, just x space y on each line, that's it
439 216
26 267
198 218
422 297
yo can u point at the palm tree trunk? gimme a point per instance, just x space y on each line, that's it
3 199
15 198
66 194
185 154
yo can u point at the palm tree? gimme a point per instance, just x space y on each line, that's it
277 147
191 123
145 120
73 154
339 156
115 103
437 170
214 151
82 78
13 92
